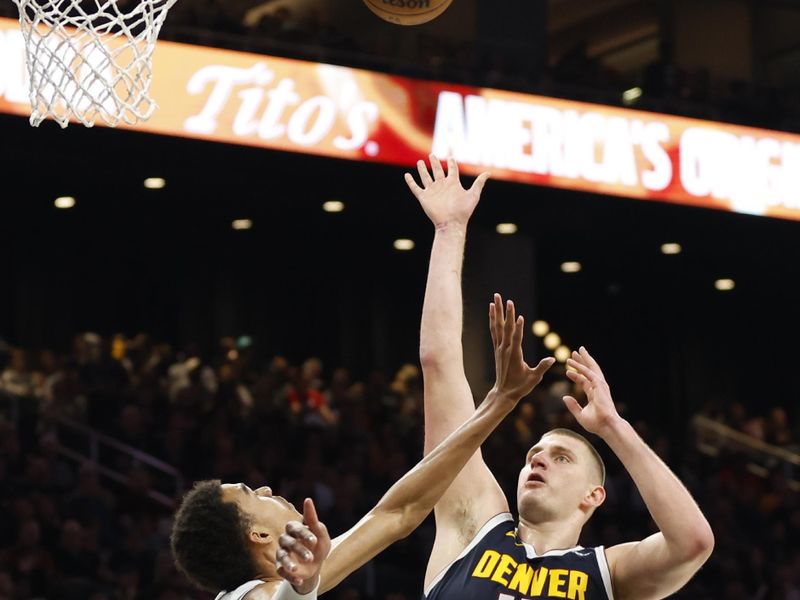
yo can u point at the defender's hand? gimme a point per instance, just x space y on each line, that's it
599 414
514 378
303 548
441 196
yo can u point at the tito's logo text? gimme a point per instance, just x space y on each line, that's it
272 108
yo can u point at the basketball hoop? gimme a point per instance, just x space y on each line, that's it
90 59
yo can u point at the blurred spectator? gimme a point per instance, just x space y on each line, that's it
17 378
776 429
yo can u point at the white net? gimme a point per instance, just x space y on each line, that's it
91 59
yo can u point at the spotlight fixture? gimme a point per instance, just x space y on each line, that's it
404 245
64 202
724 285
155 183
333 206
631 96
242 224
507 228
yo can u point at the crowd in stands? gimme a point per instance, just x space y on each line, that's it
69 531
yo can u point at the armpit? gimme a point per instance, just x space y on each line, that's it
467 525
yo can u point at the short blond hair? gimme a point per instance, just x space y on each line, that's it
600 467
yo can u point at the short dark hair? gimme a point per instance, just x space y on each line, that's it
209 539
599 464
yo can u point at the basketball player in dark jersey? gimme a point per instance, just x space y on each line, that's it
479 552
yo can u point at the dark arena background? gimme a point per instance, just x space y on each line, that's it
153 337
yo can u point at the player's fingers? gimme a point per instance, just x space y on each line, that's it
304 549
310 517
412 185
519 329
290 577
284 560
436 167
579 378
499 316
322 543
302 533
543 366
508 329
477 185
452 167
424 176
295 548
589 359
580 358
316 527
493 324
320 531
295 528
572 406
584 369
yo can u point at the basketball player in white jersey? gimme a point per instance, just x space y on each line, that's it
253 545
480 553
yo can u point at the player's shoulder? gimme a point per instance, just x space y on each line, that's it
618 553
252 590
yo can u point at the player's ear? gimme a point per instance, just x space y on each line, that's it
258 534
595 497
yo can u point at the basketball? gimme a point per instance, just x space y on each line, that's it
408 12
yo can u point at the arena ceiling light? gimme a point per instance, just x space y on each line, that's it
631 96
571 267
562 353
404 245
242 224
540 328
507 228
671 248
333 206
725 285
552 341
155 183
64 202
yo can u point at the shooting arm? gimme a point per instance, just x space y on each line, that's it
412 498
664 562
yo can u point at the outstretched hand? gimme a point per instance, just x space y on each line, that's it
599 414
514 378
442 197
302 549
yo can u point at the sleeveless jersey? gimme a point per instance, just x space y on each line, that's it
240 592
498 566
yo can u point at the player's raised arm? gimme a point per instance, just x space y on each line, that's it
475 496
409 501
664 562
448 399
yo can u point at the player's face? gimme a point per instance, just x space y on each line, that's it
271 512
555 480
